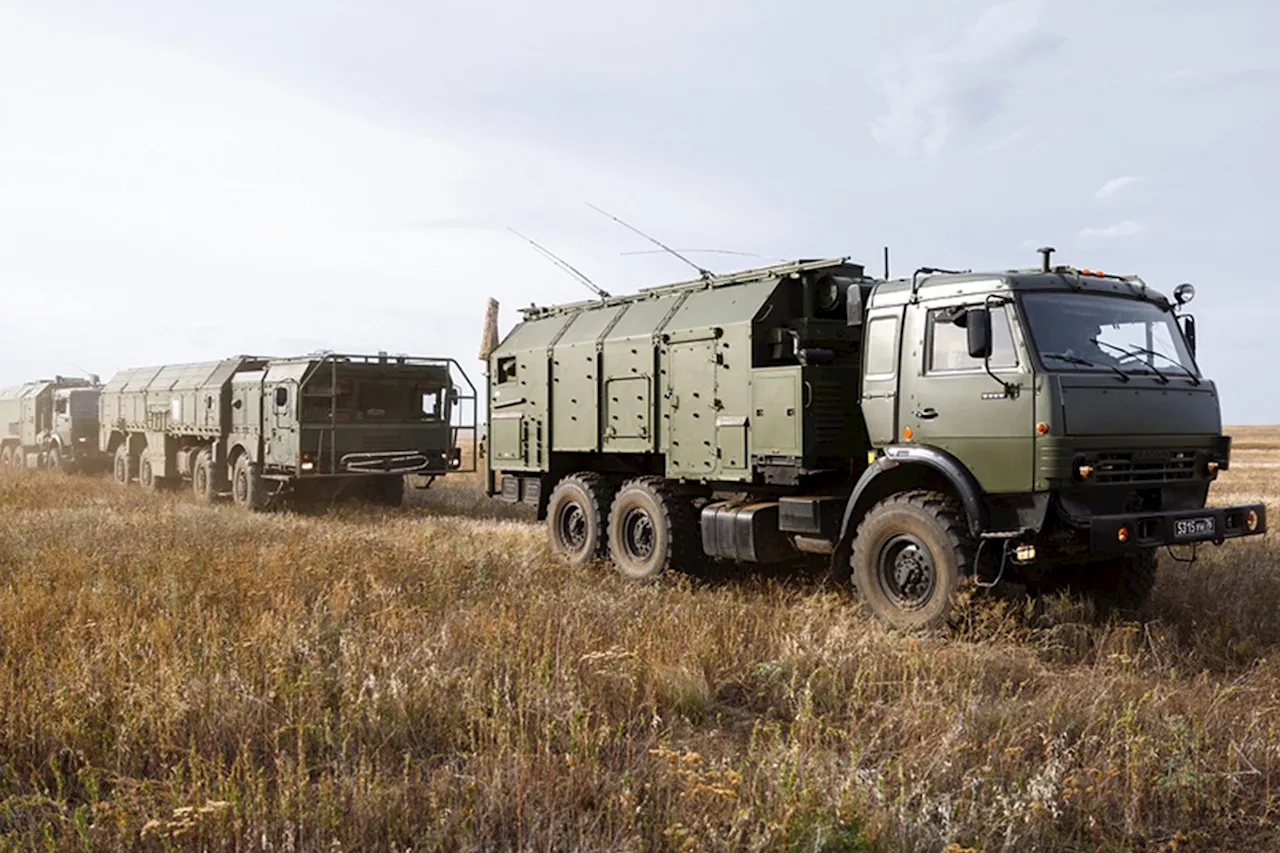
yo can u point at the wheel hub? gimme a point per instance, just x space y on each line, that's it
638 534
573 526
906 572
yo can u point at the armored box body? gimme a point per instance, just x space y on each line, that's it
290 419
728 379
25 412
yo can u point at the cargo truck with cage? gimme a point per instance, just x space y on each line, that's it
1049 425
271 431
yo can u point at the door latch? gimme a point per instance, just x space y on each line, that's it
926 414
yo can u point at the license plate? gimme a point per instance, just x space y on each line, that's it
1189 528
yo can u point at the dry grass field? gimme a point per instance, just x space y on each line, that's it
176 677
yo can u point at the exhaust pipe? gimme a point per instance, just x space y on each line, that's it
489 338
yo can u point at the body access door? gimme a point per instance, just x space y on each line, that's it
982 414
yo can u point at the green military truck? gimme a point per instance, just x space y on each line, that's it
1046 424
51 423
274 430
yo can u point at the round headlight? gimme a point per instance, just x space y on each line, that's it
1184 293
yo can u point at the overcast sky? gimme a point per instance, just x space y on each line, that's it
183 180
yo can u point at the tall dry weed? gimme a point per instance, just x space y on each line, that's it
179 677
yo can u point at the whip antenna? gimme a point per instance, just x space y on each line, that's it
705 273
563 265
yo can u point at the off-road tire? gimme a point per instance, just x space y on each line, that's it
385 491
674 542
247 488
6 456
18 458
578 517
1120 586
147 475
204 481
122 467
924 535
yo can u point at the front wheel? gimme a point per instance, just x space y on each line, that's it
909 555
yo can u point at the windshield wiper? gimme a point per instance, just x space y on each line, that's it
1195 380
1133 352
1075 359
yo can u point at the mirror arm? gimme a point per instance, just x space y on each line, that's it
1010 390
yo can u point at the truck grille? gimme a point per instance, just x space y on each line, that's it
390 441
1146 466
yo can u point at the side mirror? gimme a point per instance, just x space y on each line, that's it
1189 332
453 396
977 323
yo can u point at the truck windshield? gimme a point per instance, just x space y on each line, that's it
368 399
84 404
1079 331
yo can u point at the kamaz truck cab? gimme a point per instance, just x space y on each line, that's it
1049 425
1057 416
72 441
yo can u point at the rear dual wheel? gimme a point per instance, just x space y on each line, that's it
204 479
577 513
646 527
122 467
653 528
247 488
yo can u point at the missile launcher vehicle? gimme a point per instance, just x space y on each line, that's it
1047 425
270 430
51 423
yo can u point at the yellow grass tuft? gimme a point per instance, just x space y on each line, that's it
181 677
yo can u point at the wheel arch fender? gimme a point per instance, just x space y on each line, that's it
241 448
899 468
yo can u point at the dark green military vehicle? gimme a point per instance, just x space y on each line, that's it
266 430
1049 425
51 423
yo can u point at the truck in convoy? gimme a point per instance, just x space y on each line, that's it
1044 424
270 431
51 423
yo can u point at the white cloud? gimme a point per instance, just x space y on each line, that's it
931 93
1127 228
1110 188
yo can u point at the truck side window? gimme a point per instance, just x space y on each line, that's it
506 369
882 346
282 397
949 343
60 405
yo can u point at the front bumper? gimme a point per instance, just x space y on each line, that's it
1131 531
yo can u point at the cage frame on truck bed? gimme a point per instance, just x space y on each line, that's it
240 425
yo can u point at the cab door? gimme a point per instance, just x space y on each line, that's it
950 401
880 373
282 436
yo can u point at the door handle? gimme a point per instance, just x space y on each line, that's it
927 414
